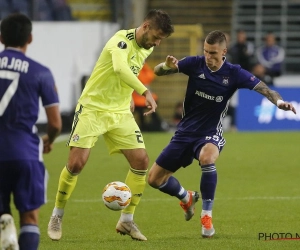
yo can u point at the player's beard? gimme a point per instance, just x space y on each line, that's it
144 42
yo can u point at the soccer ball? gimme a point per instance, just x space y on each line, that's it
116 195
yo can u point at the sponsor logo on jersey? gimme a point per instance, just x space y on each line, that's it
202 76
252 78
209 97
219 98
122 45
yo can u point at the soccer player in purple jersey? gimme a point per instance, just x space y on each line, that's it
22 172
212 81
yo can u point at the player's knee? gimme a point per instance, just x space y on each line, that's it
153 180
208 154
142 162
75 167
206 159
145 161
77 159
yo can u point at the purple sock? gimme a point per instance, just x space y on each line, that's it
208 185
173 188
29 237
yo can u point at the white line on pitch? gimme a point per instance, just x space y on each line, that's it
172 199
62 137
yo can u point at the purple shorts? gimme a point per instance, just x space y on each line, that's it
184 148
26 180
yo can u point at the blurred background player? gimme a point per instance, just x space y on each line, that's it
231 113
241 52
212 81
104 109
22 83
261 72
146 76
154 123
271 56
177 115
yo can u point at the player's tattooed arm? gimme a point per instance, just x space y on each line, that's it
274 97
170 66
161 70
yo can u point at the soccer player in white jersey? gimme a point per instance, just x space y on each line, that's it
23 82
211 83
104 109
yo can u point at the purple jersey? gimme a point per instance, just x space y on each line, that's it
22 83
208 94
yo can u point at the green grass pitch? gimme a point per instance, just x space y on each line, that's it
258 192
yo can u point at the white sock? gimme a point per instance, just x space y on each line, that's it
126 217
58 211
186 198
206 212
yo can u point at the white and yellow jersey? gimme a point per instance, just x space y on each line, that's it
114 77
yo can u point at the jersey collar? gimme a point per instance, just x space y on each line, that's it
15 49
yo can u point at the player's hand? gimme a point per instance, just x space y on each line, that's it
47 145
171 62
287 106
150 102
132 106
